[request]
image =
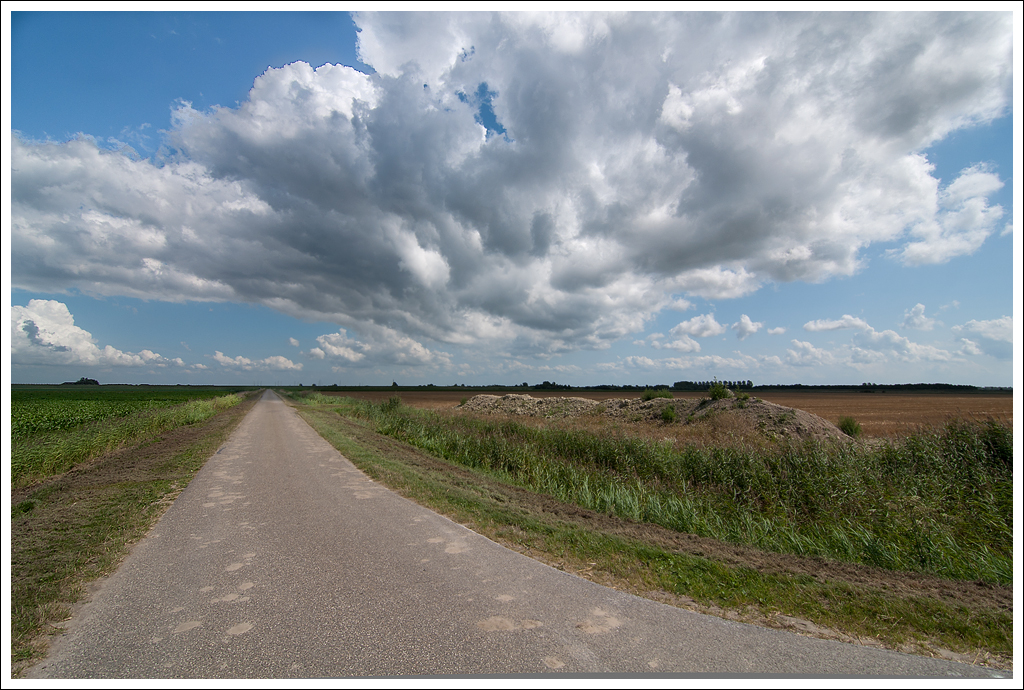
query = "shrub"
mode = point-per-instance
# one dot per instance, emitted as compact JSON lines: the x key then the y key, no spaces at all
{"x":718,"y":391}
{"x":849,"y":426}
{"x":668,"y":414}
{"x":652,"y":393}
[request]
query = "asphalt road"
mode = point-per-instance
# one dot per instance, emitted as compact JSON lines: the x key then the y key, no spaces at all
{"x":281,"y":559}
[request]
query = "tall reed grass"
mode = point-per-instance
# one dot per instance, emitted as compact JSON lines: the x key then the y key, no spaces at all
{"x":939,"y":501}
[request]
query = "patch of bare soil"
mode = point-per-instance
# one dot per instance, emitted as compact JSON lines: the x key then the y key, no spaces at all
{"x":890,"y":414}
{"x":771,"y":421}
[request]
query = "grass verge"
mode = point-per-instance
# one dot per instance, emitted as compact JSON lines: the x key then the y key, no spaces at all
{"x":72,"y":529}
{"x":862,"y":604}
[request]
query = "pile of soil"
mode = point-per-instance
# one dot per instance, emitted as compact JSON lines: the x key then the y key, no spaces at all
{"x":774,"y":421}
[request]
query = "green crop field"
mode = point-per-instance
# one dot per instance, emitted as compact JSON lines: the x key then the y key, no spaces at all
{"x":54,"y":428}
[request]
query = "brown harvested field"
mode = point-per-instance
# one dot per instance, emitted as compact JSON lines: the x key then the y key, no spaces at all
{"x":895,"y":414}
{"x":879,"y":414}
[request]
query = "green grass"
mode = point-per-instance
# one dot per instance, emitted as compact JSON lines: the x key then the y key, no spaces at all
{"x":641,"y":567}
{"x":938,"y":502}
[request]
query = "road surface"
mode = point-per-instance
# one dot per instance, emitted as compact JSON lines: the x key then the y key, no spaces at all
{"x":281,"y":559}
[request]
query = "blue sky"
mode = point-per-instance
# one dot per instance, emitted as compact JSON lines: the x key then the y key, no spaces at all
{"x":283,"y":198}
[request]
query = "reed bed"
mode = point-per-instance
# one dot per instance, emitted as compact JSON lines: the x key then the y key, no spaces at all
{"x":937,"y":501}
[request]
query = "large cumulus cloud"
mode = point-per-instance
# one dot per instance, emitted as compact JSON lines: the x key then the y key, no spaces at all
{"x":44,"y":332}
{"x":549,"y":182}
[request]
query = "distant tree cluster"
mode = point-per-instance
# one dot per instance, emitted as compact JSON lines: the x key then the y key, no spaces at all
{"x":551,"y":386}
{"x":873,"y":387}
{"x":82,"y":382}
{"x":917,"y":387}
{"x":705,"y":385}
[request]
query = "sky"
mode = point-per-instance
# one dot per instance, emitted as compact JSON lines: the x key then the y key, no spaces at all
{"x":476,"y":198}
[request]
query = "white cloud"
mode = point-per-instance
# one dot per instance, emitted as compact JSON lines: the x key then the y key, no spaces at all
{"x":702,"y":326}
{"x":719,"y":283}
{"x":804,"y":354}
{"x":835,"y":324}
{"x":899,"y":347}
{"x":702,"y":363}
{"x":868,"y":346}
{"x":272,"y":363}
{"x":993,"y":337}
{"x":280,"y":363}
{"x":381,"y":346}
{"x":779,"y":330}
{"x":44,"y":332}
{"x":293,"y":342}
{"x":734,"y":151}
{"x":964,"y":220}
{"x":970,"y":347}
{"x":339,"y":345}
{"x":239,"y":361}
{"x":915,"y":318}
{"x":745,"y":327}
{"x":1000,"y":329}
{"x":866,"y":357}
{"x":684,"y":343}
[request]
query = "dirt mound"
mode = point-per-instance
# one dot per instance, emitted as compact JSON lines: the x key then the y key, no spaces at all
{"x":775,"y":422}
{"x":515,"y":403}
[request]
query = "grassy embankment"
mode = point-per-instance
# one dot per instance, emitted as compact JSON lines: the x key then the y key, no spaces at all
{"x":937,"y":503}
{"x":91,"y":476}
